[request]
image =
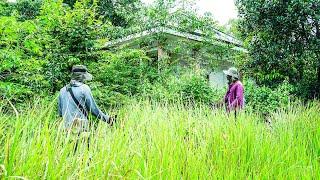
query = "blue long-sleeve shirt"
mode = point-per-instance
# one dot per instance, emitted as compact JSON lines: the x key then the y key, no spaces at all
{"x":68,"y":109}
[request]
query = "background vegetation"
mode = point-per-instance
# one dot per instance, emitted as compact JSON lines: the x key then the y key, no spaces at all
{"x":283,"y":39}
{"x":168,"y":125}
{"x":41,"y":40}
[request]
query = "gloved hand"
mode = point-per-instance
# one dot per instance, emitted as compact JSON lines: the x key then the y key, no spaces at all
{"x":112,"y":120}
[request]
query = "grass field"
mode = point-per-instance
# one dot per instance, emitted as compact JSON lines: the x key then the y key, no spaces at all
{"x":161,"y":141}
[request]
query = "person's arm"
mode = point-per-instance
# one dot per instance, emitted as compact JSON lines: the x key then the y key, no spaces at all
{"x":225,"y":99}
{"x":238,"y":101}
{"x":59,"y":106}
{"x":92,"y":107}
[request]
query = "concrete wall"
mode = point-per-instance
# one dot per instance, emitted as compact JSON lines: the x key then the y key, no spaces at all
{"x":217,"y":79}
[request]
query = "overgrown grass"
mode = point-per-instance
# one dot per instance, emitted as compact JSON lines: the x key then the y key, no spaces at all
{"x":161,"y":141}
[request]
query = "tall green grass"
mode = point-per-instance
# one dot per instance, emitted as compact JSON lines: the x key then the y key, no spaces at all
{"x":162,"y":141}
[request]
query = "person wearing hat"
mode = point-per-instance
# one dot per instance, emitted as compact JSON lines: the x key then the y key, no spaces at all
{"x":234,"y":98}
{"x":76,"y":102}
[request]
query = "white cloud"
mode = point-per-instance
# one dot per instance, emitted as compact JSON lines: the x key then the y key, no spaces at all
{"x":222,"y":10}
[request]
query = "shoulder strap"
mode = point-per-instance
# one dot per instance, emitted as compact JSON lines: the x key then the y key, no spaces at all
{"x":82,"y":109}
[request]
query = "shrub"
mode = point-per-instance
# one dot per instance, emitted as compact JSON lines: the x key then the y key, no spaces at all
{"x":189,"y":88}
{"x":195,"y":88}
{"x":119,"y":76}
{"x":21,"y":65}
{"x":265,"y":99}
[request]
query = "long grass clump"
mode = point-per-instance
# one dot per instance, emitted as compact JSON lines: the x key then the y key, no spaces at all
{"x":164,"y":141}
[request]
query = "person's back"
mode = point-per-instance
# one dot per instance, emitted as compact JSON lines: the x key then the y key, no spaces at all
{"x":76,"y":101}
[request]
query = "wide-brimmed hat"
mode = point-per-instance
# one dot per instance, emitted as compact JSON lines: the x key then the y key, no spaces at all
{"x":83,"y":71}
{"x":233,"y":72}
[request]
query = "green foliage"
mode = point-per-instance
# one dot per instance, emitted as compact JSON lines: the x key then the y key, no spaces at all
{"x":22,"y":9}
{"x":122,"y":75}
{"x":196,"y":56}
{"x":189,"y":88}
{"x":21,"y":60}
{"x":283,"y":39}
{"x":118,"y":12}
{"x":40,"y":45}
{"x":232,"y":28}
{"x":119,"y":77}
{"x":70,"y":36}
{"x":28,"y":9}
{"x":196,"y":89}
{"x":6,"y":8}
{"x":266,"y":100}
{"x":37,"y":54}
{"x":14,"y":91}
{"x":180,"y":15}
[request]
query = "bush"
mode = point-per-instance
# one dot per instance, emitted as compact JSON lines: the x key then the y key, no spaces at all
{"x":195,"y":88}
{"x":119,"y":76}
{"x":265,"y":99}
{"x":189,"y":88}
{"x":21,"y":65}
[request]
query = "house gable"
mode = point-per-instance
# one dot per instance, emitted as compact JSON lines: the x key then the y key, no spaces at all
{"x":196,"y":36}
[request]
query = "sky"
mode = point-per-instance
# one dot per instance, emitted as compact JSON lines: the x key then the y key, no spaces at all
{"x":222,"y":10}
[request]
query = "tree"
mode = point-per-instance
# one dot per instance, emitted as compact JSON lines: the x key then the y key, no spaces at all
{"x":36,"y":55}
{"x":283,"y":38}
{"x":232,"y":28}
{"x":5,"y":8}
{"x":70,"y":37}
{"x":21,"y":59}
{"x":28,"y":9}
{"x":23,"y":9}
{"x":118,"y":12}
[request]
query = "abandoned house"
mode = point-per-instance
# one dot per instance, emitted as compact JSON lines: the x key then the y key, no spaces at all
{"x":194,"y":49}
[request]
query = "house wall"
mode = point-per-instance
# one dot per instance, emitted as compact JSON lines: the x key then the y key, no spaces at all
{"x":217,"y":79}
